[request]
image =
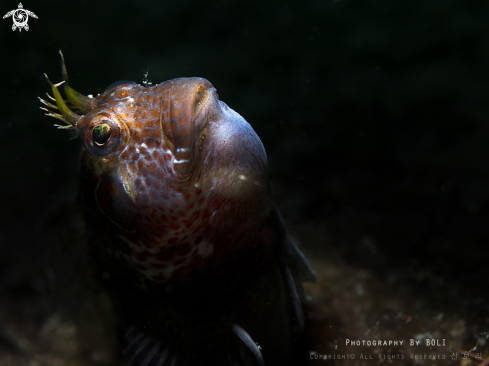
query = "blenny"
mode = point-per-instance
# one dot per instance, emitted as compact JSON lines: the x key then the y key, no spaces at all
{"x":178,"y":230}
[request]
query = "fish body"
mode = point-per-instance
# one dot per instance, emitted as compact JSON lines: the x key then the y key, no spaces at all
{"x":176,"y":200}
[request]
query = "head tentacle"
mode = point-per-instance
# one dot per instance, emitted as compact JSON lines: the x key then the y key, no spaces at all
{"x":66,"y":115}
{"x":83,"y":103}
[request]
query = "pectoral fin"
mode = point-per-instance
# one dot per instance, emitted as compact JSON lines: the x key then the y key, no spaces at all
{"x":298,"y":263}
{"x":249,"y":351}
{"x":180,"y":342}
{"x":294,"y":269}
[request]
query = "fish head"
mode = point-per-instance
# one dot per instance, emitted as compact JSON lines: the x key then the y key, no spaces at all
{"x":172,"y":180}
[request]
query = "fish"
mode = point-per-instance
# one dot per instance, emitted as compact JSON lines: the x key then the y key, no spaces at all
{"x":182,"y":246}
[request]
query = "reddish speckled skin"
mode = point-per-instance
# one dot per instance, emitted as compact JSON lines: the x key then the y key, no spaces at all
{"x":181,"y":183}
{"x":183,"y":250}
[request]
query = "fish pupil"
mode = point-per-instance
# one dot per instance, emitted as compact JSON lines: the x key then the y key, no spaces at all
{"x":101,"y":134}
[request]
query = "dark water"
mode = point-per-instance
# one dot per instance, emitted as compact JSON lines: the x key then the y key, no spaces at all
{"x":375,"y":119}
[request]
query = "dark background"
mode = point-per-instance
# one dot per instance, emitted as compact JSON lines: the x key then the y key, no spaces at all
{"x":374,"y":115}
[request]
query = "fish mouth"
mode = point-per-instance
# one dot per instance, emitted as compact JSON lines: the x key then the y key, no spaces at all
{"x":187,"y":97}
{"x":100,"y":203}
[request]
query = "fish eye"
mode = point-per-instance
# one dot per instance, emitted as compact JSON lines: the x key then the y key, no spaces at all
{"x":104,"y":134}
{"x":101,"y":134}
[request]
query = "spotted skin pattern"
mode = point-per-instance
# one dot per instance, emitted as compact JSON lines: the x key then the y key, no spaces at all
{"x":181,"y":182}
{"x":179,"y":231}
